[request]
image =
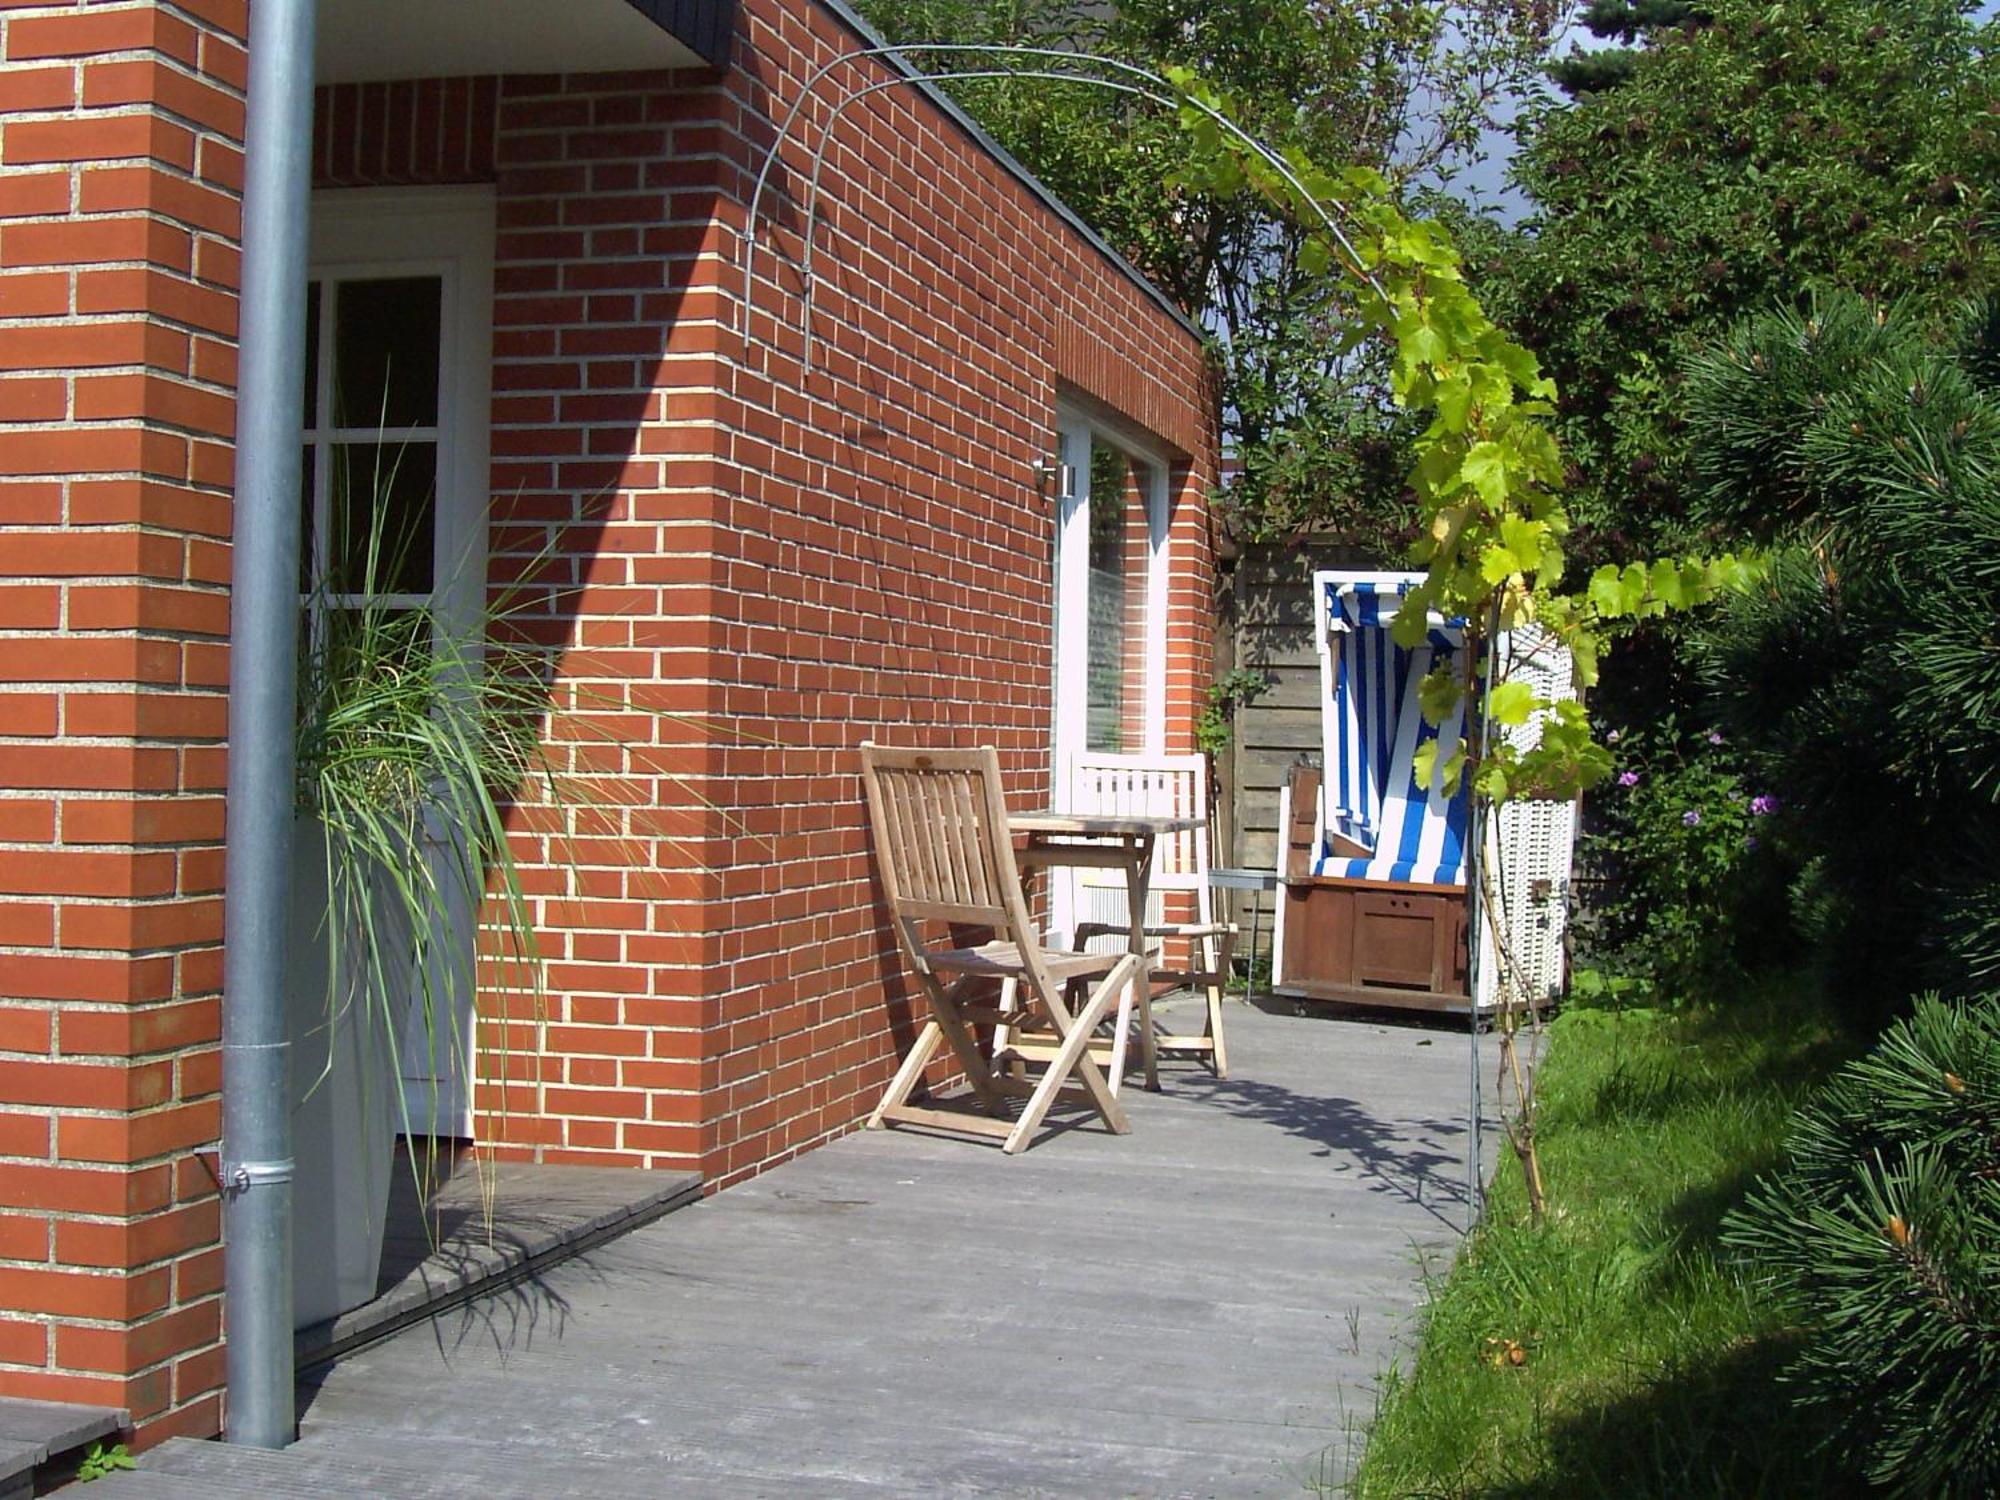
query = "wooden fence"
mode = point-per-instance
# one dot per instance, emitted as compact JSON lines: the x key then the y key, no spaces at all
{"x":1265,"y":624}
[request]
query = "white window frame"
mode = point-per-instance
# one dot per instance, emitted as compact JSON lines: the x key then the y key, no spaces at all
{"x":443,"y":232}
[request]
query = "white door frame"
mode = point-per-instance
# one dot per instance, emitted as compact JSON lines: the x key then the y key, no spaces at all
{"x":1069,"y":731}
{"x":447,"y":232}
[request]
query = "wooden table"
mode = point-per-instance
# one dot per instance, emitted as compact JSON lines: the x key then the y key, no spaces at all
{"x":1107,"y":841}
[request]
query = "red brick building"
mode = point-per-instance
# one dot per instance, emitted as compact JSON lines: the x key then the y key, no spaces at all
{"x":760,"y":564}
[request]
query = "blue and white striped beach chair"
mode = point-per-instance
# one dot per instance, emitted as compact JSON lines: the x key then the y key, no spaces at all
{"x":1383,"y":882}
{"x":1413,"y":831}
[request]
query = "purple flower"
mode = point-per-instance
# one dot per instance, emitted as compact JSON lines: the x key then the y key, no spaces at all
{"x":1691,"y":817}
{"x":1613,"y":737}
{"x":1628,"y":778}
{"x":1715,"y":736}
{"x":1749,"y":841}
{"x":1763,"y":806}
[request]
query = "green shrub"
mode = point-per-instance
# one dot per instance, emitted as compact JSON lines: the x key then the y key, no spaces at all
{"x":1882,"y":1233}
{"x":1688,"y":882}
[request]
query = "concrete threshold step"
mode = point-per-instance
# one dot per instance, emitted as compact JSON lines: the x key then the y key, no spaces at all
{"x":36,"y":1435}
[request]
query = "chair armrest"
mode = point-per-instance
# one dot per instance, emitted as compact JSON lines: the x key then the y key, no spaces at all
{"x":1085,"y":931}
{"x":1192,"y":929}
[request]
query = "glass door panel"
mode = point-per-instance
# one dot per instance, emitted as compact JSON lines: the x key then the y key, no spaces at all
{"x":386,"y":342}
{"x":1120,"y":599}
{"x":399,"y":352}
{"x":383,"y":510}
{"x":372,"y":435}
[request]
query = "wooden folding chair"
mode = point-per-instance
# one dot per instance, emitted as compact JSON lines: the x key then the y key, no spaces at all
{"x":1161,"y":786}
{"x":947,"y":860}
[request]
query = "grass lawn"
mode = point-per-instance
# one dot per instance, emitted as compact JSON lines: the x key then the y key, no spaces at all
{"x":1645,"y":1368}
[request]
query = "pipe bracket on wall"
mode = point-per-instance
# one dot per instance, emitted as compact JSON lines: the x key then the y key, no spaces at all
{"x":245,"y":1175}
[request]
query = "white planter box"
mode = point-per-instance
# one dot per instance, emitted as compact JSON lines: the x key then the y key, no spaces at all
{"x":346,"y":1103}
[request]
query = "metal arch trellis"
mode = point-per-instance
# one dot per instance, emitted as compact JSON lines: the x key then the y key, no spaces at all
{"x":855,"y":96}
{"x":1150,"y":86}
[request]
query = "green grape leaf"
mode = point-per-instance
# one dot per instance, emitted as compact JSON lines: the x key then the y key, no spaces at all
{"x":1511,"y":703}
{"x":1438,"y":694}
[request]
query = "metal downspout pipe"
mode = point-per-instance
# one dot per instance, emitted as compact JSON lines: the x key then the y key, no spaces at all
{"x":263,"y":669}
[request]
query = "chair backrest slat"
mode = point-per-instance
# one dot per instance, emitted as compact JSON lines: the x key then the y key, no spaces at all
{"x":966,"y":870}
{"x":941,"y":838}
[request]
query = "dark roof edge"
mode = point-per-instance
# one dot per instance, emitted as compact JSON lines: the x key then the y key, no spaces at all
{"x":706,"y":27}
{"x":852,"y":20}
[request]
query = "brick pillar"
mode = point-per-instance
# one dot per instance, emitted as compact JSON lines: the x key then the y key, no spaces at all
{"x":120,"y":172}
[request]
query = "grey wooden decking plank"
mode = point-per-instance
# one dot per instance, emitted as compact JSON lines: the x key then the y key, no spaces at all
{"x":803,"y":1468}
{"x":486,"y":1467}
{"x":904,"y":1456}
{"x":1173,"y":1318}
{"x":1210,"y":1329}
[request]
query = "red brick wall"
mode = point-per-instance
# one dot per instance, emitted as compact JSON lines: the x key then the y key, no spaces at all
{"x":890,"y":554}
{"x":601,"y":351}
{"x":748,"y":569}
{"x":120,"y":168}
{"x":604,"y":392}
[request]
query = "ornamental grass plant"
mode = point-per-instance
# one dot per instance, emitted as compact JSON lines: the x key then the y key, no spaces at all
{"x":416,"y":732}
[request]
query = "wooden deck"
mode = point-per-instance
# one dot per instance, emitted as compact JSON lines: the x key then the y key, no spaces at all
{"x":1198,"y":1309}
{"x":449,"y":1250}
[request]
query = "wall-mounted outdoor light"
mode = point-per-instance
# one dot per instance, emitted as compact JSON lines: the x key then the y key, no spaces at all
{"x":1054,"y":478}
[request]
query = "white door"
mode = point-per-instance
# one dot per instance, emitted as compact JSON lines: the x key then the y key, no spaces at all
{"x":1110,"y":618}
{"x":399,"y":350}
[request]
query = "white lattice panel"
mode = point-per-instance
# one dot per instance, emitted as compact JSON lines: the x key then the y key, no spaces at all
{"x":1534,"y":840}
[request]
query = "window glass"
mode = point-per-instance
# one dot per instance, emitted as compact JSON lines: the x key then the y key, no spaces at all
{"x":312,"y":355}
{"x":309,"y":528}
{"x":370,"y":522}
{"x":1120,"y":563}
{"x":382,"y":518}
{"x":386,"y":352}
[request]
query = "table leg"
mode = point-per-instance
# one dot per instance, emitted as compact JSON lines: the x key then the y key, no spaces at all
{"x":1138,"y":880}
{"x":1121,"y":1036}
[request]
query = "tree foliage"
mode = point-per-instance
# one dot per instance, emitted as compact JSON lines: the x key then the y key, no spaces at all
{"x":1400,"y":86}
{"x":1864,"y":676}
{"x":1624,"y":22}
{"x":1744,"y":163}
{"x":1882,"y":1231}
